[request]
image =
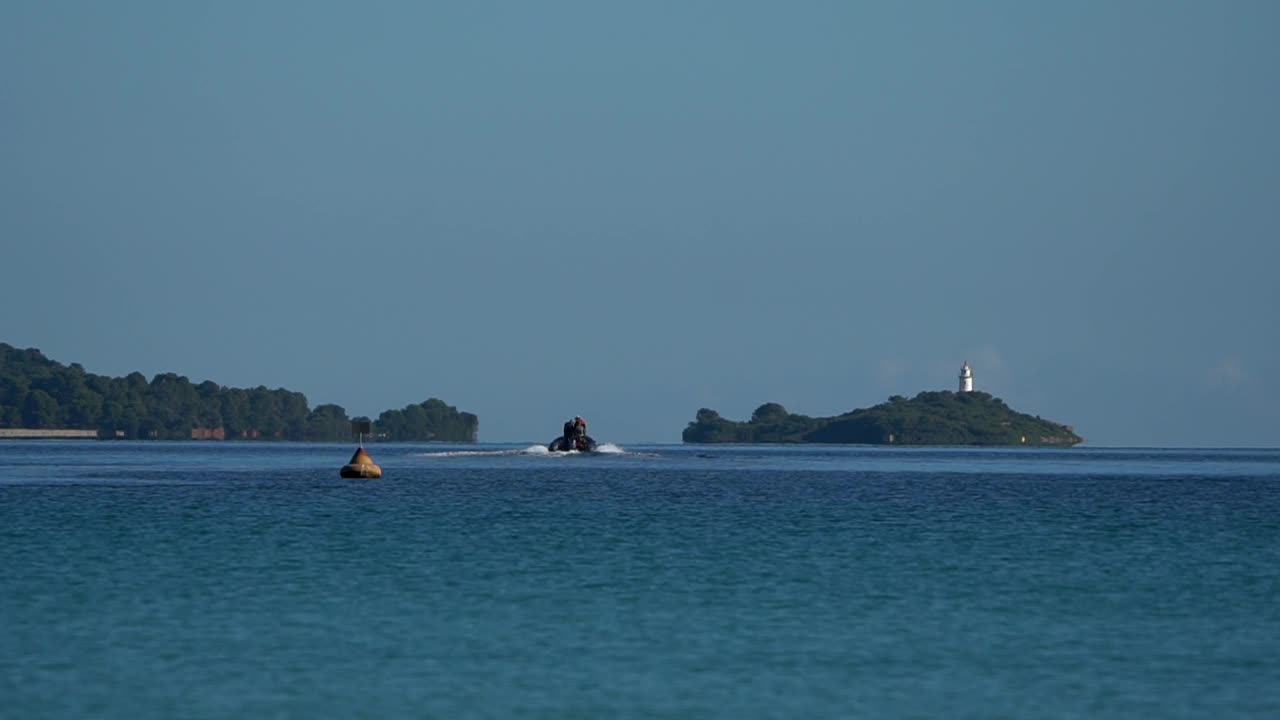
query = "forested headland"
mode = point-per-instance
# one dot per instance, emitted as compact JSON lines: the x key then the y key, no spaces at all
{"x":39,"y":393}
{"x":930,"y":418}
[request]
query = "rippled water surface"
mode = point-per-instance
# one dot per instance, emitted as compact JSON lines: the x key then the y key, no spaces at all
{"x":247,"y":580}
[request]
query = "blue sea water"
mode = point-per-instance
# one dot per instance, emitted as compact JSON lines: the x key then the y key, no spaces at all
{"x":230,"y":580}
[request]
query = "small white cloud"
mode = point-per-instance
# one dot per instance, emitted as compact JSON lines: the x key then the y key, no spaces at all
{"x":988,"y":358}
{"x":891,"y":371}
{"x":1227,"y":373}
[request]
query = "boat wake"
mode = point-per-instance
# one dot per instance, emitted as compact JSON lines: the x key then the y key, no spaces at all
{"x":471,"y":453}
{"x":601,"y":449}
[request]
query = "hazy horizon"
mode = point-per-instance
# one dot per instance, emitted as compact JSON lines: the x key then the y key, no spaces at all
{"x":629,"y":213}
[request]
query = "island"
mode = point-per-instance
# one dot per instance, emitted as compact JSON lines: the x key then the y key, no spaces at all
{"x":42,"y":398}
{"x":930,"y":418}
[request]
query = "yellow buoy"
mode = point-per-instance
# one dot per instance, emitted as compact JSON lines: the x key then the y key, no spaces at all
{"x":361,"y":467}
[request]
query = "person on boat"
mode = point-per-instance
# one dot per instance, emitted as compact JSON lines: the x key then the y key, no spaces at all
{"x":579,"y":427}
{"x":570,"y":433}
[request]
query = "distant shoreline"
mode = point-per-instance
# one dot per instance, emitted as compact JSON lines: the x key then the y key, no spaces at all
{"x":72,"y":434}
{"x":42,"y":399}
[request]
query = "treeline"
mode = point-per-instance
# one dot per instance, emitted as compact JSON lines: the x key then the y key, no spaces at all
{"x":770,"y":423}
{"x":39,"y":393}
{"x":429,"y":420}
{"x":930,"y":418}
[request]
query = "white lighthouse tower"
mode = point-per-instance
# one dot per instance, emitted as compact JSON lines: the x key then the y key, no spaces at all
{"x":966,"y":377}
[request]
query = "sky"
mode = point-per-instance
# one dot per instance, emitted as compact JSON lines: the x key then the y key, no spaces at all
{"x":631,"y":211}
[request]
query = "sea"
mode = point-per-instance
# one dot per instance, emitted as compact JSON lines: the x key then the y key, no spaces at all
{"x":247,"y":580}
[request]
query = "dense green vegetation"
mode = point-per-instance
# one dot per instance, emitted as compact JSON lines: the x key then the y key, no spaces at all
{"x":430,"y":420}
{"x":930,"y":418}
{"x":38,"y":393}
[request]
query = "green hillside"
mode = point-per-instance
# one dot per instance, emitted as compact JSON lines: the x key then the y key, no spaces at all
{"x":930,"y":418}
{"x":39,"y":393}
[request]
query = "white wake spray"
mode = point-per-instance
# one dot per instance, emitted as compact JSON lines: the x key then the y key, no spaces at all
{"x":601,"y":449}
{"x":471,"y":453}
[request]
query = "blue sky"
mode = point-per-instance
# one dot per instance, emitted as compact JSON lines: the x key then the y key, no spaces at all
{"x":630,"y":211}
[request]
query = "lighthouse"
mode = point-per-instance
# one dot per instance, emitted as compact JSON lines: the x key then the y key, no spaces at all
{"x":966,"y":377}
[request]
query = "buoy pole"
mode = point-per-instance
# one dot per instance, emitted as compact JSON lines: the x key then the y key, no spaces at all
{"x":361,"y":465}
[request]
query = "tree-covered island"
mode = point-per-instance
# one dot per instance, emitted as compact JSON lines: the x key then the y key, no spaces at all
{"x":930,"y":418}
{"x":38,"y":393}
